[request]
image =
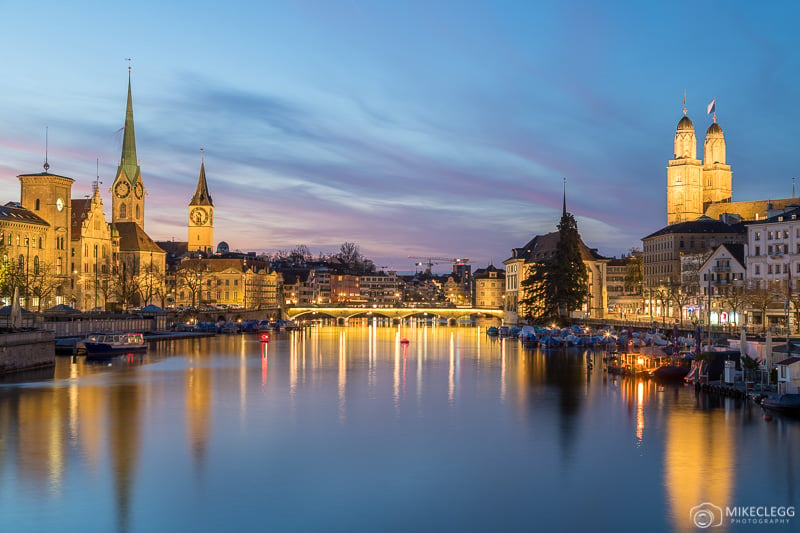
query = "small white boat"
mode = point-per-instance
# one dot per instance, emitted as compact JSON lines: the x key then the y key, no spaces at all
{"x":108,"y":344}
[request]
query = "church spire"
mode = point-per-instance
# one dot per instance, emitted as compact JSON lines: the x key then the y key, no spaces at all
{"x":201,"y":196}
{"x":129,"y":162}
{"x":564,"y":210}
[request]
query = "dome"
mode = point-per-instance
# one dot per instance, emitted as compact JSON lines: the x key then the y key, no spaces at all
{"x":685,"y":124}
{"x":222,"y":248}
{"x":714,"y":129}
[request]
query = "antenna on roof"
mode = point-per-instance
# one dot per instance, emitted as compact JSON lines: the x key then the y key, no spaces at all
{"x":97,"y":182}
{"x":46,"y":164}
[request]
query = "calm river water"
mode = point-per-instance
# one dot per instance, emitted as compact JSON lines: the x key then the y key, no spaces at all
{"x":345,"y":429}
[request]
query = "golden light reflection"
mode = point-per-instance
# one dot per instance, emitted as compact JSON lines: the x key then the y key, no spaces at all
{"x":342,"y":382}
{"x":699,"y":463}
{"x":451,"y":389}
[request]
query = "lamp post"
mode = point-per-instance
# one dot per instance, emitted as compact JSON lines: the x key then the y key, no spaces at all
{"x":27,"y":269}
{"x":95,"y":277}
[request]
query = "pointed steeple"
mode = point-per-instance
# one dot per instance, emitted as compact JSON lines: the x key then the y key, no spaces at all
{"x":201,"y":196}
{"x":564,"y":210}
{"x":129,"y":162}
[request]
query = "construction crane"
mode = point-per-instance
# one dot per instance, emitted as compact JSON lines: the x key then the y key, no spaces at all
{"x":430,"y":261}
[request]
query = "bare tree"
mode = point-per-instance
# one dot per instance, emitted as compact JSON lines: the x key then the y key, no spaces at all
{"x":191,"y":275}
{"x":761,"y":296}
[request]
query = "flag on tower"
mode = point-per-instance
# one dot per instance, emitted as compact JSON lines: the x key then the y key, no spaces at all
{"x":712,"y":107}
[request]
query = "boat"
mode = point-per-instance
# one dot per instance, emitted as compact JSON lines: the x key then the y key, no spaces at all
{"x":493,"y":331}
{"x":404,"y":341}
{"x":674,"y":371}
{"x":109,"y":344}
{"x":787,"y":404}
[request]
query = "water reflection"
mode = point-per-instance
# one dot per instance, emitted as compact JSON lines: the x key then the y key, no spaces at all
{"x":453,"y":416}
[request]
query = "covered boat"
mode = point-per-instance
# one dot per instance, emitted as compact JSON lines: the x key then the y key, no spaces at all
{"x":108,"y":344}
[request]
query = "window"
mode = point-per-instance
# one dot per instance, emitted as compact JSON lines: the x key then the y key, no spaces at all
{"x":758,"y":250}
{"x":758,"y":236}
{"x":137,"y":211}
{"x":123,"y":211}
{"x":769,"y":269}
{"x":786,"y":234}
{"x":36,"y":265}
{"x":37,"y":204}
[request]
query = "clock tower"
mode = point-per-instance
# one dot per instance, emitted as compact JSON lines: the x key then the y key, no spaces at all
{"x":201,"y":216}
{"x":127,"y":192}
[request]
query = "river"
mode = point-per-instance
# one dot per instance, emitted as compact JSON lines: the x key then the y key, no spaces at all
{"x":346,"y":429}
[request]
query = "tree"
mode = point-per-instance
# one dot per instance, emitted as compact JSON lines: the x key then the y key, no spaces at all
{"x":350,"y":255}
{"x":556,"y":286}
{"x":761,"y":297}
{"x":190,"y":276}
{"x":43,"y":283}
{"x":634,"y":276}
{"x":125,"y":287}
{"x":735,"y":296}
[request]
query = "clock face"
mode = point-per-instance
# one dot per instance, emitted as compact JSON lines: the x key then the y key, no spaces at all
{"x":59,"y":204}
{"x":199,"y":216}
{"x":138,"y":190}
{"x":122,"y":189}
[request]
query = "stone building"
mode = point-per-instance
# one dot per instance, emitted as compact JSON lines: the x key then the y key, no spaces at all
{"x":489,"y":287}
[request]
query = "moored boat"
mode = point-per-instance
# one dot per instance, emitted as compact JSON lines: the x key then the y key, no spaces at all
{"x":787,"y":404}
{"x":109,"y":344}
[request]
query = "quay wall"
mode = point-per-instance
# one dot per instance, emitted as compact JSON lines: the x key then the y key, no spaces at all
{"x":26,"y":350}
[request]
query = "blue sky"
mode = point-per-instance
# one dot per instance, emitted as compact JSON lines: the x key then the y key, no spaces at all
{"x":410,"y":128}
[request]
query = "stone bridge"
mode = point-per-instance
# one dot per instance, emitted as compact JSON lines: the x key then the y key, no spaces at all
{"x":394,"y":313}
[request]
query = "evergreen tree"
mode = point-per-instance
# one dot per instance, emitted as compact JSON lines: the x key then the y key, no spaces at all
{"x":556,"y":286}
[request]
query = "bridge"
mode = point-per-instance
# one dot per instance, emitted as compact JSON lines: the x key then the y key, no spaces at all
{"x":393,"y":313}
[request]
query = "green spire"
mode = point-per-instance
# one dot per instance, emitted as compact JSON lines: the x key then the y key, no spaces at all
{"x":129,"y":163}
{"x":201,"y":196}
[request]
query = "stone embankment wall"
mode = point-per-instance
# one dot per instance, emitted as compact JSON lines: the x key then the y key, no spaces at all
{"x":26,"y":349}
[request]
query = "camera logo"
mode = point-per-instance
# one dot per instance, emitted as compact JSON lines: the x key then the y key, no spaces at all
{"x":706,"y":515}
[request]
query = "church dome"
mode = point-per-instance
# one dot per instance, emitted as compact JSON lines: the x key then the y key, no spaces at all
{"x":714,"y":130}
{"x":685,"y":124}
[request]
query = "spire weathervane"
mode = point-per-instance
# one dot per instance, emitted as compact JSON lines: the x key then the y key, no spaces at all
{"x":684,"y":102}
{"x":46,"y":164}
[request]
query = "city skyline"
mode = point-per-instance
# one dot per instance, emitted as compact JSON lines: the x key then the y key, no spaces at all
{"x":409,"y":129}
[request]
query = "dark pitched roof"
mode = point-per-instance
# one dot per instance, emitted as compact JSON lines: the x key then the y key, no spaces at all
{"x":174,"y":248}
{"x":780,"y":217}
{"x":132,"y":238}
{"x":13,"y":212}
{"x":201,"y":196}
{"x":703,"y":225}
{"x":736,"y":250}
{"x":543,"y":247}
{"x":484,"y":272}
{"x":80,"y":208}
{"x":789,"y":361}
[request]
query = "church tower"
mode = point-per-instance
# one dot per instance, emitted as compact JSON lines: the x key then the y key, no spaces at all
{"x":717,"y":180}
{"x":201,"y":216}
{"x":127,"y":192}
{"x":684,"y":176}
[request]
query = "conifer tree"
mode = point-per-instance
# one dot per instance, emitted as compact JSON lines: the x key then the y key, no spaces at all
{"x":556,"y":286}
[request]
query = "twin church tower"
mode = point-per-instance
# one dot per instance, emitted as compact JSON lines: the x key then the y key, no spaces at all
{"x":128,"y":192}
{"x":694,"y":185}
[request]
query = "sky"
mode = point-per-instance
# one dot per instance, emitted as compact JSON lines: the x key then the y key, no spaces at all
{"x":411,"y":128}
